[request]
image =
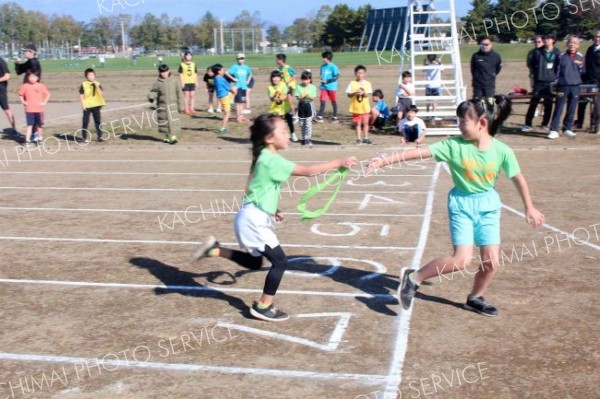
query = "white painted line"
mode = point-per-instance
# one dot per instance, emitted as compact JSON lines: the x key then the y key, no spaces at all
{"x":403,"y":319}
{"x":335,"y":262}
{"x":199,"y":288}
{"x":129,"y":161}
{"x":162,"y":242}
{"x":193,"y":190}
{"x":367,"y":379}
{"x":342,"y":325}
{"x":554,"y":229}
{"x":103,"y":111}
{"x":117,"y":173}
{"x":331,"y":345}
{"x":183,"y":211}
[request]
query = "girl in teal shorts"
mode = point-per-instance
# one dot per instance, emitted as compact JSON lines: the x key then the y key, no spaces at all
{"x":475,"y":159}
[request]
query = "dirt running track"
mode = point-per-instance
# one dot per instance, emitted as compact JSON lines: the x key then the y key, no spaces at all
{"x":96,"y":243}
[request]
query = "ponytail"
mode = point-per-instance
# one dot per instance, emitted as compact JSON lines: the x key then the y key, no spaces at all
{"x":503,"y":111}
{"x":479,"y":108}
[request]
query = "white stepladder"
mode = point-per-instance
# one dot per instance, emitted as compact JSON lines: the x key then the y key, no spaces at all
{"x":432,"y":30}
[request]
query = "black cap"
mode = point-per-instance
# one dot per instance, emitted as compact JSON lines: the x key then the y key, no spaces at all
{"x":30,"y":46}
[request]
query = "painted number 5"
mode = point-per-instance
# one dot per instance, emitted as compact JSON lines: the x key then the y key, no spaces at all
{"x":353,"y":229}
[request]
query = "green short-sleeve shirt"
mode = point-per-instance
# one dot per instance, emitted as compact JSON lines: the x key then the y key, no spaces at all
{"x":474,"y":170}
{"x":302,"y":90}
{"x":270,"y":171}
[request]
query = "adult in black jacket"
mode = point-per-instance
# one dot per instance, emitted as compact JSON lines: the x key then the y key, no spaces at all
{"x":485,"y":66}
{"x":592,"y":76}
{"x":544,"y":64}
{"x":31,"y":62}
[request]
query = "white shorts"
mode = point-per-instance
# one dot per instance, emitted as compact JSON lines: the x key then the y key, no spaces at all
{"x":254,"y":229}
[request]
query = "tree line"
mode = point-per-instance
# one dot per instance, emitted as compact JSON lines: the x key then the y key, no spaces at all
{"x":518,"y":20}
{"x":336,"y":27}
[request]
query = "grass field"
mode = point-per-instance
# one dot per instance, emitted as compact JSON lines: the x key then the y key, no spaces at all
{"x":509,"y":53}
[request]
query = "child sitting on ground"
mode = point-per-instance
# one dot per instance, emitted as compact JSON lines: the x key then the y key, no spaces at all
{"x":412,"y":127}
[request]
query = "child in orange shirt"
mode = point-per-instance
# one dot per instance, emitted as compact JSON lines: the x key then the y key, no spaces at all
{"x":34,"y":96}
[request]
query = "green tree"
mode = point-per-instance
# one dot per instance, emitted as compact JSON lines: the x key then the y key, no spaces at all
{"x":318,"y":24}
{"x":102,"y":31}
{"x":205,"y":30}
{"x":512,"y":20}
{"x":247,"y":20}
{"x":555,"y":19}
{"x":339,"y":26}
{"x":188,"y":34}
{"x":147,"y":33}
{"x":274,"y":35}
{"x":12,"y":20}
{"x":174,"y":33}
{"x":36,"y":27}
{"x":64,"y":28}
{"x":582,"y":18}
{"x":474,"y":21}
{"x":246,"y":23}
{"x":300,"y":32}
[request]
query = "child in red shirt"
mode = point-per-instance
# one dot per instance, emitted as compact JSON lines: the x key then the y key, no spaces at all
{"x":34,"y":96}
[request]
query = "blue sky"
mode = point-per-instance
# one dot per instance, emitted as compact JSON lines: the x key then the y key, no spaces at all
{"x":276,"y":12}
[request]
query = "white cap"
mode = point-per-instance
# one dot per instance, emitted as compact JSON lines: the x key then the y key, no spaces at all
{"x":241,"y":55}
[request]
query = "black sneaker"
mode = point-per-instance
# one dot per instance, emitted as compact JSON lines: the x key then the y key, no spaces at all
{"x":367,"y":141}
{"x":269,"y":314}
{"x":408,"y":289}
{"x":479,"y":305}
{"x":208,"y":243}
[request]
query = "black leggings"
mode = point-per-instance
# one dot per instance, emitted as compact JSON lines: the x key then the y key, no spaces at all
{"x":95,"y":111}
{"x":276,"y":256}
{"x":289,"y":118}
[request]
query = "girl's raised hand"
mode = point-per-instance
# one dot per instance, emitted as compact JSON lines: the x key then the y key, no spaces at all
{"x":534,"y":217}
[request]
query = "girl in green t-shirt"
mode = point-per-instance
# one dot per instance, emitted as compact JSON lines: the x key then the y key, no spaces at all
{"x":475,"y":159}
{"x":306,"y":92}
{"x":253,"y":223}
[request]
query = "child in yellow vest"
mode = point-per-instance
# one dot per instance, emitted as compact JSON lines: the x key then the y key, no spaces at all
{"x":188,"y":74}
{"x":288,"y":74}
{"x":92,"y":101}
{"x":360,"y":106}
{"x":280,"y":104}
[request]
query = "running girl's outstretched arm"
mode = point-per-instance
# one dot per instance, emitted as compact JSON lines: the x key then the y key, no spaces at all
{"x":396,"y":157}
{"x":309,"y":170}
{"x":534,"y":217}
